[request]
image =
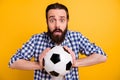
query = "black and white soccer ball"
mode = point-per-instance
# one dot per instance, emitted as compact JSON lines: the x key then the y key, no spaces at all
{"x":58,"y":61}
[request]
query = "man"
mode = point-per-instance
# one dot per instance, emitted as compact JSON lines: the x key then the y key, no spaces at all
{"x":57,"y":18}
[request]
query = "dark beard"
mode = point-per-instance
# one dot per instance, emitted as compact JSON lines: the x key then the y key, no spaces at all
{"x":56,"y":38}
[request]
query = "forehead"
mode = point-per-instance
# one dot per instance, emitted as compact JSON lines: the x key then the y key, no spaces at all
{"x":57,"y":13}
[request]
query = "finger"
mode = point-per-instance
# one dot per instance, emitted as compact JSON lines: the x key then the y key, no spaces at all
{"x":71,"y":52}
{"x":42,"y":55}
{"x":45,"y":51}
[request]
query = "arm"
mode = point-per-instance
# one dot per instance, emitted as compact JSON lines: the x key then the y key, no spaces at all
{"x":93,"y":59}
{"x":29,"y":65}
{"x":90,"y":60}
{"x":25,"y":65}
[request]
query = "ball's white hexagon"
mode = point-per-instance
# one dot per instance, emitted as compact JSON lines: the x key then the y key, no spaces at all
{"x":60,"y":66}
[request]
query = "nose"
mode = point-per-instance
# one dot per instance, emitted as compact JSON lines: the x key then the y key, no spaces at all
{"x":57,"y":24}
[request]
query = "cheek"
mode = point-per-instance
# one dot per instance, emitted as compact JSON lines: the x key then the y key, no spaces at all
{"x":63,"y":27}
{"x":51,"y":27}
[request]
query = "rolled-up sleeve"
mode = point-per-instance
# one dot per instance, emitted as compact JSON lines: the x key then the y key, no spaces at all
{"x":88,"y":48}
{"x":26,"y":52}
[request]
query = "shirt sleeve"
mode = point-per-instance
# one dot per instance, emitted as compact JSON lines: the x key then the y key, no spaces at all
{"x":26,"y":52}
{"x":87,"y":48}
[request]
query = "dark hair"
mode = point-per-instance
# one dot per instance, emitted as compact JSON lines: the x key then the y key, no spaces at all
{"x":57,"y":6}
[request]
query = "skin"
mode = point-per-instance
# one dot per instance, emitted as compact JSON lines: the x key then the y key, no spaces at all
{"x":57,"y":19}
{"x":57,"y":25}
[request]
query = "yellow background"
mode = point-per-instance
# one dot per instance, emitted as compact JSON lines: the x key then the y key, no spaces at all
{"x":99,"y":20}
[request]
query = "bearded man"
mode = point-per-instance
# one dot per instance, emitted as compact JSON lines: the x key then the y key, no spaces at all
{"x":57,"y":18}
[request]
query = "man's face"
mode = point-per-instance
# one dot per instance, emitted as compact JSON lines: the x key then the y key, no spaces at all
{"x":57,"y":24}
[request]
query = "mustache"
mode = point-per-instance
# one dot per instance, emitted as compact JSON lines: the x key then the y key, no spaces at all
{"x":57,"y":30}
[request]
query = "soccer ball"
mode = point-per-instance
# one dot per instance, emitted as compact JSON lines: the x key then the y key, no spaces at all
{"x":58,"y":61}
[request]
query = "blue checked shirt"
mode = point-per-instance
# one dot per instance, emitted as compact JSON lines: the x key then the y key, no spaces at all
{"x":38,"y":42}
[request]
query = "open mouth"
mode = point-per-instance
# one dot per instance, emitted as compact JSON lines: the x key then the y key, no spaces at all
{"x":57,"y":32}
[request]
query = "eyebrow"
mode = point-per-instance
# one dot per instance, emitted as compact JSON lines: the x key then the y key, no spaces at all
{"x":54,"y":16}
{"x":51,"y":16}
{"x":62,"y":16}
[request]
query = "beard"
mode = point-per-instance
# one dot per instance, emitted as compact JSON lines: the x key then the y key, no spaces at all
{"x":57,"y":38}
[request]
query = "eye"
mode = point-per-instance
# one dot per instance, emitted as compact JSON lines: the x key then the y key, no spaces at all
{"x":62,"y":20}
{"x":52,"y":20}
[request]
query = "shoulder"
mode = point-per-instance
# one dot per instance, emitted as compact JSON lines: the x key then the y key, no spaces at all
{"x":39,"y":36}
{"x":74,"y":33}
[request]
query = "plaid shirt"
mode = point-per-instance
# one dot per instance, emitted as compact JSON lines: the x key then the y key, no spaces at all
{"x":38,"y":42}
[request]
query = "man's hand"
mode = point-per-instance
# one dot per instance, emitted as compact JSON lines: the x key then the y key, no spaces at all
{"x":72,"y":54}
{"x":41,"y":56}
{"x":93,"y":59}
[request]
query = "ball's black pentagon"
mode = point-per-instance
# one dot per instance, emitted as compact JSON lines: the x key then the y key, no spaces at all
{"x":68,"y":65}
{"x":53,"y":73}
{"x":55,"y":58}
